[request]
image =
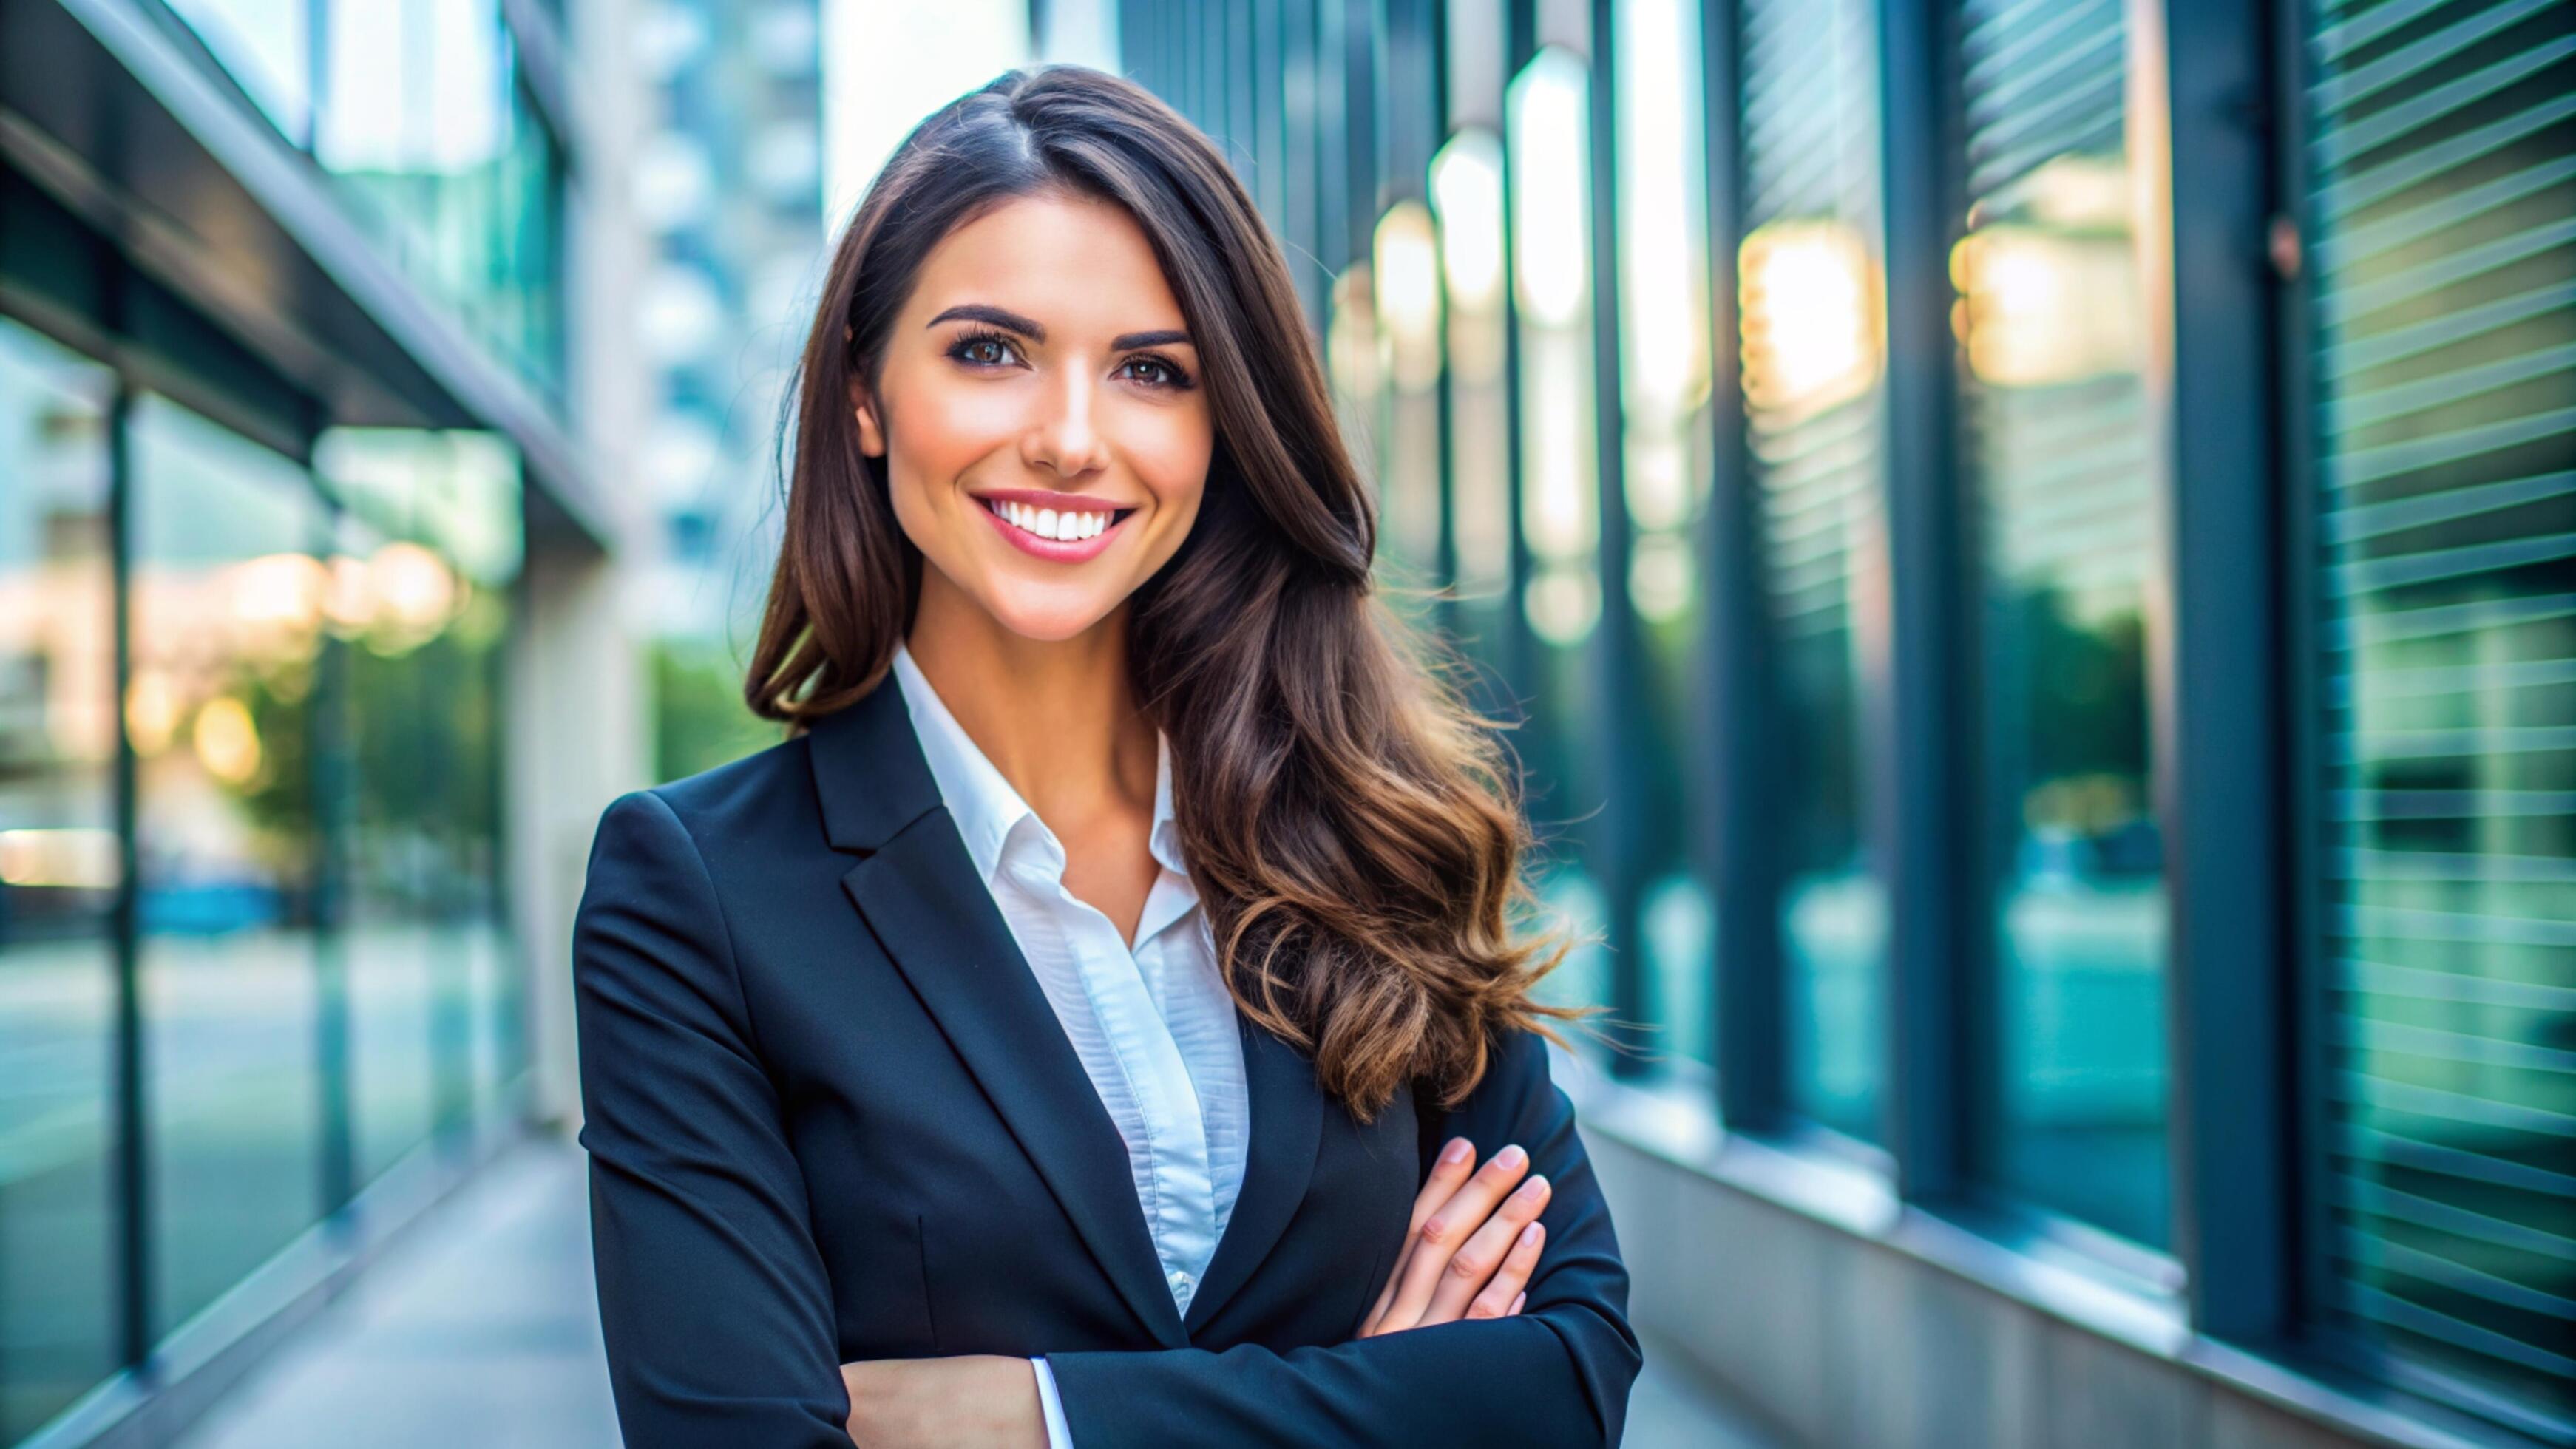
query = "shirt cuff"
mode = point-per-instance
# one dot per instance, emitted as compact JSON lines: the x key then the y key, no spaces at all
{"x":1058,"y":1435}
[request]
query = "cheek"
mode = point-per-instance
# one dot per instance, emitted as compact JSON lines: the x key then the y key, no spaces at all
{"x":943,"y":431}
{"x":1173,"y":463}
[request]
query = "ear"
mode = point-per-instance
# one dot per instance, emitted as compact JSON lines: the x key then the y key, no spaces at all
{"x":871,"y":431}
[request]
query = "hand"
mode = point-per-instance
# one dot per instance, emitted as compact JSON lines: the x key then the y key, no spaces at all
{"x":985,"y":1401}
{"x":1470,"y":1249}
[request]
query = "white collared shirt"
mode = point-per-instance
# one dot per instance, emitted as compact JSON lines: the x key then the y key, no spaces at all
{"x":1154,"y":1026}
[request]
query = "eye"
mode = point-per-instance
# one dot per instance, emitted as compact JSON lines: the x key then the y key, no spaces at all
{"x":1164,"y":373}
{"x":984,"y":349}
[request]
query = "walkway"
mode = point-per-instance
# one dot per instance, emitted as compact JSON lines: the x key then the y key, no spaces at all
{"x":479,"y":1327}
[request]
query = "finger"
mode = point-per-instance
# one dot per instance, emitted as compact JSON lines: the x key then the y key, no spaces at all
{"x":1448,"y":1173}
{"x":1503,"y":1296}
{"x":1442,"y":1233}
{"x":1455,"y":1161}
{"x":1477,"y":1260}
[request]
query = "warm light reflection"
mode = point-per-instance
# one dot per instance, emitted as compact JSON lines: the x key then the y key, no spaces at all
{"x":151,"y":711}
{"x":348,"y":603}
{"x":1657,"y":477}
{"x":1663,"y":279}
{"x":67,"y":856}
{"x":2078,"y":192}
{"x":1350,"y":336}
{"x":1551,"y":196}
{"x":1467,"y":195}
{"x":226,"y":741}
{"x":1563,"y":602}
{"x":2039,"y":306}
{"x":1812,"y":323}
{"x":454,"y":490}
{"x":1560,"y":509}
{"x":1659,"y":577}
{"x":1407,"y":271}
{"x":414,"y":592}
{"x":277,"y":595}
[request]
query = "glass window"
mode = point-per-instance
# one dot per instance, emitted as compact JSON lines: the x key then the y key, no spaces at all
{"x":425,"y":121}
{"x":2443,"y":310}
{"x":228,"y":603}
{"x":266,"y":47}
{"x":395,"y":594}
{"x":1467,"y":200}
{"x":59,"y":871}
{"x":2059,"y":473}
{"x":1548,"y":133}
{"x":1405,"y":273}
{"x":1808,"y":274}
{"x":1664,"y":382}
{"x":418,"y":605}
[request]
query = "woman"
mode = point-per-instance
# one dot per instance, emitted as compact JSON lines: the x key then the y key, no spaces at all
{"x":1100,"y":1021}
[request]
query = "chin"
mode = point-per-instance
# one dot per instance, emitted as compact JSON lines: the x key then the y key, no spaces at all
{"x":1049,"y":615}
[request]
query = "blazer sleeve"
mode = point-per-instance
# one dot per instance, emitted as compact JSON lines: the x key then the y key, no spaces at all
{"x":713,"y":1299}
{"x":1556,"y":1373}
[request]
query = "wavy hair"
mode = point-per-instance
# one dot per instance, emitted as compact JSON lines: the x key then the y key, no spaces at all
{"x":1355,"y":832}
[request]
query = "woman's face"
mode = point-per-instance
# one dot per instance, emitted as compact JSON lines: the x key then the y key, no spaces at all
{"x":1046,"y":438}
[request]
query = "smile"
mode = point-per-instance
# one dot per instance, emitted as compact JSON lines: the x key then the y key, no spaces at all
{"x":1058,"y":527}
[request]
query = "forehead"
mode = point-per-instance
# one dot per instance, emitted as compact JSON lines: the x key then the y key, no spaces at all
{"x":1064,"y":261}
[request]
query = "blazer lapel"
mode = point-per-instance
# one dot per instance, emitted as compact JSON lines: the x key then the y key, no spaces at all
{"x":1287,"y":1121}
{"x":918,"y":890}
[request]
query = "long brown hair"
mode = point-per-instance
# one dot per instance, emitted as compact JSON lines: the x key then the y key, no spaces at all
{"x":1354,"y":831}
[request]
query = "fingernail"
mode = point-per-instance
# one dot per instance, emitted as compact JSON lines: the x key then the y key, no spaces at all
{"x":1531,"y":1190}
{"x":1529,"y":1235}
{"x":1457,"y":1150}
{"x":1510,"y":1157}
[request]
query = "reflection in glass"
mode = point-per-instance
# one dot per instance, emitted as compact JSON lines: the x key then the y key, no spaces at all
{"x":58,"y":878}
{"x":427,"y":124}
{"x":1664,"y":386}
{"x":266,"y":46}
{"x":229,"y":603}
{"x":2058,"y":463}
{"x":1405,"y":270}
{"x":1809,"y":309}
{"x":1467,"y":200}
{"x":1546,"y":130}
{"x":2444,"y":308}
{"x":420,"y":617}
{"x":1552,"y":283}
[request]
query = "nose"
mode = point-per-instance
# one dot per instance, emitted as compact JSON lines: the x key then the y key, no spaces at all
{"x":1064,"y":437}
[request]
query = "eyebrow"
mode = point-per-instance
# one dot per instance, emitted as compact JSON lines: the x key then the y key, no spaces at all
{"x":1012,"y":321}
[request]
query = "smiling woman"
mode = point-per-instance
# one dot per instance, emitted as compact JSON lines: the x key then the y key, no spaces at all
{"x":1040,"y":343}
{"x":1179,"y":1058}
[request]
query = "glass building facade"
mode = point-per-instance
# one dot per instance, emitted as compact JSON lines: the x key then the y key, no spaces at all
{"x":258,"y":986}
{"x":2036,"y":588}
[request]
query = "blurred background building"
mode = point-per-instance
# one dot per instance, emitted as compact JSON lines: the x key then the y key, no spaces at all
{"x":2032,"y":544}
{"x":728,"y":182}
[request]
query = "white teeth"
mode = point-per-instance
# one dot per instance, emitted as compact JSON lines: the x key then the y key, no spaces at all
{"x":1070,"y":525}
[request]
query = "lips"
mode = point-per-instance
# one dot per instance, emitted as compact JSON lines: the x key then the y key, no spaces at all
{"x":1058,"y":527}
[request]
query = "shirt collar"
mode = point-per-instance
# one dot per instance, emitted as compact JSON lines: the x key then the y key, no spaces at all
{"x":980,"y":799}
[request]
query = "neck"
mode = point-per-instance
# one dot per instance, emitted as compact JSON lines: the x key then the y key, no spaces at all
{"x":1058,"y":718}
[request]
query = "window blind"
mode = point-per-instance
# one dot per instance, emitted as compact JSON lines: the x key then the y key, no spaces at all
{"x":2441,"y":169}
{"x":1809,"y":273}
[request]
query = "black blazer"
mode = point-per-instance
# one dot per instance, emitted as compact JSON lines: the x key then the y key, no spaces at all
{"x":831,"y":1117}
